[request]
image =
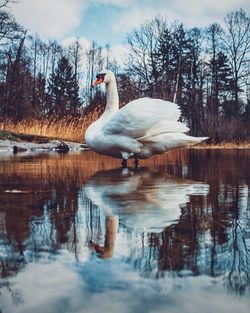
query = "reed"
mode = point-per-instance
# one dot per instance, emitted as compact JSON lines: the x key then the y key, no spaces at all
{"x":72,"y":128}
{"x":243,"y":144}
{"x":68,"y":128}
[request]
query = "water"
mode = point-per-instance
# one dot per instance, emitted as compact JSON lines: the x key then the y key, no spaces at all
{"x":78,"y":234}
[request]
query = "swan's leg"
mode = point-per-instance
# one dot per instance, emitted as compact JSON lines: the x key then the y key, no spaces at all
{"x":137,"y":163}
{"x":124,"y":163}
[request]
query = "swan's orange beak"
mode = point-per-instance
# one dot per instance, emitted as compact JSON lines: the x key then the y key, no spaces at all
{"x":98,"y":81}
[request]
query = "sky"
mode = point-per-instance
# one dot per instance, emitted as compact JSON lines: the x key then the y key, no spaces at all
{"x":109,"y":21}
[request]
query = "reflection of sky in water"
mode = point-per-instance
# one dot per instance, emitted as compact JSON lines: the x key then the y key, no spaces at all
{"x":105,"y":286}
{"x":175,"y":243}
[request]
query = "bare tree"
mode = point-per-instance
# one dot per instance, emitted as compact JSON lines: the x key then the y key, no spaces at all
{"x":213,"y":33}
{"x":4,"y":3}
{"x":142,"y":60}
{"x":237,"y":46}
{"x":9,"y":29}
{"x":18,"y":82}
{"x":108,"y":50}
{"x":75,"y":51}
{"x":95,"y":63}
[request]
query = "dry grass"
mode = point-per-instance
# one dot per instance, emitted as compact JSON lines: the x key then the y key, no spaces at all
{"x":73,"y":129}
{"x":68,"y":128}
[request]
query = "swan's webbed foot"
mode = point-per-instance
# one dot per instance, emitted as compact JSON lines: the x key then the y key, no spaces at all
{"x":137,"y":163}
{"x":124,"y":163}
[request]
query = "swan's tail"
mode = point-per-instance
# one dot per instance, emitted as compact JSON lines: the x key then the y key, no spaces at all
{"x":168,"y":141}
{"x":191,"y":141}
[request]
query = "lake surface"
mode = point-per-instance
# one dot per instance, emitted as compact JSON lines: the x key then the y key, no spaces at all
{"x":79,"y":234}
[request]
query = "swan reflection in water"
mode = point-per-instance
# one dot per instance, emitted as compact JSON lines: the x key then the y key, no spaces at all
{"x":142,"y":200}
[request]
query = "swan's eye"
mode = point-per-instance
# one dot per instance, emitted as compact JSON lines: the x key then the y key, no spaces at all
{"x":100,"y":76}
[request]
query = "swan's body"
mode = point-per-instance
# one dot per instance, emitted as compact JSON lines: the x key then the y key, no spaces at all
{"x":141,"y":129}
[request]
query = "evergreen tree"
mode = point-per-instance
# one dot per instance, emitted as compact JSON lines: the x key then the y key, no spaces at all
{"x":39,"y":95}
{"x":193,"y":87}
{"x":63,"y":89}
{"x":165,"y":63}
{"x":16,"y":90}
{"x":224,"y":82}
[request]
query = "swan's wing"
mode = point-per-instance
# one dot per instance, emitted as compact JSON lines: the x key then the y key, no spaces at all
{"x":143,"y":116}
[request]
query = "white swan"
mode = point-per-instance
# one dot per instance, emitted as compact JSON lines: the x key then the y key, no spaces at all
{"x":140,"y":129}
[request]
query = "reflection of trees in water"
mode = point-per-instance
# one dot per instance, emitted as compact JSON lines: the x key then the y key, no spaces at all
{"x":212,"y":233}
{"x":197,"y":244}
{"x":41,"y":219}
{"x":237,"y":277}
{"x":228,"y":175}
{"x":209,"y":237}
{"x":37,"y":222}
{"x":228,"y":206}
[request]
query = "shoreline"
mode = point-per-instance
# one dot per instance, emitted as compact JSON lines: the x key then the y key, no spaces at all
{"x":11,"y":142}
{"x":13,"y":147}
{"x":8,"y":146}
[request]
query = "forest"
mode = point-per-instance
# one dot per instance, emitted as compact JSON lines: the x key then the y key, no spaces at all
{"x":205,"y":70}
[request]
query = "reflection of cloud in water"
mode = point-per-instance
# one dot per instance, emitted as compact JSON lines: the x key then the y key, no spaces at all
{"x":142,"y":199}
{"x":43,"y":288}
{"x":57,"y":287}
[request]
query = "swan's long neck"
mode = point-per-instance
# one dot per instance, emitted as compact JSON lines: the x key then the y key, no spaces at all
{"x":112,"y":99}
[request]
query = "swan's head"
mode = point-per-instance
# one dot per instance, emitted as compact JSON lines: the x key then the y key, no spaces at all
{"x":104,"y":76}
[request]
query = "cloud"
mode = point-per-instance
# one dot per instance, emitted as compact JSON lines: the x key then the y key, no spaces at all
{"x":191,"y":13}
{"x":49,"y":18}
{"x":118,"y":3}
{"x":84,"y":42}
{"x":59,"y":19}
{"x":133,"y":18}
{"x":119,"y":53}
{"x":202,"y":13}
